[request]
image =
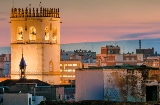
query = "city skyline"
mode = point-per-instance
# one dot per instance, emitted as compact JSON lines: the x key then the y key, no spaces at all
{"x":93,"y":20}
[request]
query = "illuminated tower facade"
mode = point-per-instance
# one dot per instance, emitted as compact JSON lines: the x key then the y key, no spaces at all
{"x":37,"y":31}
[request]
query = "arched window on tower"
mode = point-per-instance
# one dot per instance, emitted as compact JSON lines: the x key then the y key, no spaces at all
{"x":32,"y":33}
{"x":54,"y":30}
{"x":19,"y":33}
{"x":46,"y":33}
{"x":51,"y":66}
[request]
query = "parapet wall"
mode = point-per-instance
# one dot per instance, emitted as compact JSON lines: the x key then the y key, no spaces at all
{"x":31,"y":12}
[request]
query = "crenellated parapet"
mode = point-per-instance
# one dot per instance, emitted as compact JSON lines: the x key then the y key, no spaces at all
{"x":28,"y":12}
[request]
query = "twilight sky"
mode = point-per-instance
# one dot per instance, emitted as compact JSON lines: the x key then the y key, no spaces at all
{"x":94,"y":20}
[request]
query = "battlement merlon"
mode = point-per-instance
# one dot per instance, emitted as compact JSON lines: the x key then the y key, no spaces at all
{"x":31,"y":12}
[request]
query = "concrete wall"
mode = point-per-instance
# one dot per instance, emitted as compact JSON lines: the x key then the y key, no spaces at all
{"x":89,"y":85}
{"x":17,"y":99}
{"x":123,"y":85}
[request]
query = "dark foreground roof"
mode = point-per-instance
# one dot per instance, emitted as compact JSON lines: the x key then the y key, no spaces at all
{"x":11,"y":82}
{"x":95,"y":102}
{"x":128,"y":67}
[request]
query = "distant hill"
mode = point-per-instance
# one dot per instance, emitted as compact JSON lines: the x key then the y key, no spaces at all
{"x":125,"y":45}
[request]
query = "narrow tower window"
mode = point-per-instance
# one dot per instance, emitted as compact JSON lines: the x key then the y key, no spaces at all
{"x":50,"y":66}
{"x":32,"y":33}
{"x":19,"y":33}
{"x":54,"y":34}
{"x":46,"y":33}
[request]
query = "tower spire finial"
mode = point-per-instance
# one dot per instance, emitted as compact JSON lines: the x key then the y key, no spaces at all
{"x":22,"y":52}
{"x":39,"y":4}
{"x":13,"y":3}
{"x":22,"y":66}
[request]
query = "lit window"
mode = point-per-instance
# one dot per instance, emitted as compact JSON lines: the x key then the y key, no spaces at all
{"x":50,"y":66}
{"x":19,"y":33}
{"x":73,"y":70}
{"x":73,"y":75}
{"x":74,"y":64}
{"x":46,"y":33}
{"x":60,"y":64}
{"x":54,"y":37}
{"x":60,"y":70}
{"x":65,"y":70}
{"x":69,"y":64}
{"x":64,"y":75}
{"x":32,"y":33}
{"x":69,"y":70}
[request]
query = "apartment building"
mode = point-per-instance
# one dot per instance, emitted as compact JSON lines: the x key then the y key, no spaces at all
{"x":5,"y":64}
{"x":146,"y":52}
{"x":153,"y":61}
{"x":71,"y":60}
{"x":110,"y":56}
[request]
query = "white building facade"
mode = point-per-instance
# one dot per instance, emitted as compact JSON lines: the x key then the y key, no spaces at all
{"x":117,"y":83}
{"x":5,"y":65}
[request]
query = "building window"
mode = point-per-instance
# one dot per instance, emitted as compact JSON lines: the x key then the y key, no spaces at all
{"x":69,"y":64}
{"x":29,"y":101}
{"x":74,"y":64}
{"x":54,"y":34}
{"x":50,"y":66}
{"x":70,"y":70}
{"x":65,"y":70}
{"x":139,"y":58}
{"x":46,"y":33}
{"x":32,"y":33}
{"x":19,"y":33}
{"x":127,"y":59}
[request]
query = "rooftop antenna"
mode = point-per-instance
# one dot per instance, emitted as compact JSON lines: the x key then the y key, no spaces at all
{"x":139,"y":44}
{"x":30,"y":5}
{"x":92,"y":47}
{"x":39,"y":4}
{"x":13,"y":3}
{"x":115,"y":42}
{"x":22,"y":51}
{"x":123,"y":49}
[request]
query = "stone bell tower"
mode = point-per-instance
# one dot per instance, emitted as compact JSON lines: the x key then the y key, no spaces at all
{"x":37,"y":31}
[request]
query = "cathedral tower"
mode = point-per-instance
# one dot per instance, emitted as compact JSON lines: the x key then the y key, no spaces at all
{"x":37,"y":31}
